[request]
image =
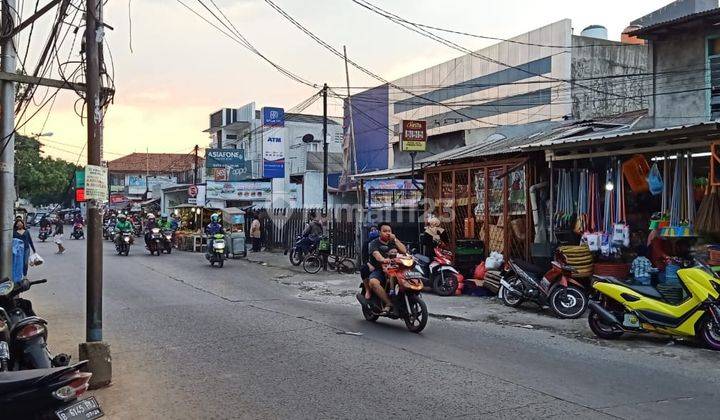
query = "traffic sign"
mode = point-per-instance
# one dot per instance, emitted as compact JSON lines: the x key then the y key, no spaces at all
{"x":193,"y":191}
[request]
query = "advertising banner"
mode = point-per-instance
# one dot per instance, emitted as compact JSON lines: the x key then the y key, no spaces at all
{"x":247,"y":191}
{"x":386,"y":193}
{"x":414,"y":136}
{"x":224,"y":158}
{"x":274,"y":157}
{"x":96,"y":183}
{"x":273,"y":117}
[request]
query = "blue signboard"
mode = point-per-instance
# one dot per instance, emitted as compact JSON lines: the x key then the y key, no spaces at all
{"x":273,"y":117}
{"x":274,"y":157}
{"x":224,"y":158}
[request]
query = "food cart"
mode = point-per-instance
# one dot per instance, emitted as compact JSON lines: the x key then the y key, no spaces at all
{"x":234,"y":222}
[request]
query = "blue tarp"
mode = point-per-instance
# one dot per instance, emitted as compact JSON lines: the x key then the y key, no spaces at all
{"x":18,"y":260}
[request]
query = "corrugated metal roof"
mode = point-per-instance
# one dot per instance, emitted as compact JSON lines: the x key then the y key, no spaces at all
{"x":649,"y":30}
{"x":383,"y":173}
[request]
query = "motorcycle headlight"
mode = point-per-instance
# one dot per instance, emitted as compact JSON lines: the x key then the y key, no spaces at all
{"x":219,"y":245}
{"x":127,"y":239}
{"x":168,"y":237}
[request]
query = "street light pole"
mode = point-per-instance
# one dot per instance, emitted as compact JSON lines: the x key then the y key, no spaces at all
{"x":7,"y":140}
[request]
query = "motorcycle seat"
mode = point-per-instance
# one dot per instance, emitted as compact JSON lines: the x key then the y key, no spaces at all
{"x":648,"y":291}
{"x":16,"y":381}
{"x":529,"y":268}
{"x":422,"y":259}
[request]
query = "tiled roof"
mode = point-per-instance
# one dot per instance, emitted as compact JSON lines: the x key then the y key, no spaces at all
{"x":154,"y":162}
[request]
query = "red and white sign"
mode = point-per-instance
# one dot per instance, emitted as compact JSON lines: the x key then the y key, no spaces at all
{"x":79,"y":195}
{"x":193,"y":191}
{"x":414,"y":136}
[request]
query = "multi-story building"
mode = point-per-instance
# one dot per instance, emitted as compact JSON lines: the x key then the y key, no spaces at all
{"x":297,"y":143}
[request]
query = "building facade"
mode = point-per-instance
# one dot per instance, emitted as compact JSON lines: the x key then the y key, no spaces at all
{"x":140,"y":176}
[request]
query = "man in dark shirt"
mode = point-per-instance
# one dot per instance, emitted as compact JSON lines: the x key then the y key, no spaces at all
{"x":379,"y":249}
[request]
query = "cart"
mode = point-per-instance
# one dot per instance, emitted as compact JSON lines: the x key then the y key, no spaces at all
{"x":234,"y":223}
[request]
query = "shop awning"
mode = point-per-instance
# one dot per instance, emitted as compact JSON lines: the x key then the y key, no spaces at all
{"x":384,"y":173}
{"x":626,"y":141}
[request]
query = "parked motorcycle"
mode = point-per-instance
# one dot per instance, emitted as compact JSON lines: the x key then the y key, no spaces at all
{"x":304,"y":246}
{"x":123,"y":242}
{"x":27,"y":338}
{"x":628,"y":308}
{"x":522,"y":281}
{"x":405,"y":295}
{"x":441,"y":276}
{"x":47,"y":393}
{"x":216,"y":255}
{"x":77,"y":232}
{"x":44,"y":233}
{"x":167,"y":236}
{"x":155,"y":244}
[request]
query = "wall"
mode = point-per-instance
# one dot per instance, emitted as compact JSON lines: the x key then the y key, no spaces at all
{"x":602,"y":96}
{"x":679,"y":63}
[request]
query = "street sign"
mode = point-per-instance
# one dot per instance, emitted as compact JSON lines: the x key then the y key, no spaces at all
{"x":96,"y":183}
{"x":192,"y":191}
{"x":192,"y":200}
{"x":414,"y":136}
{"x":80,"y":178}
{"x":79,"y":195}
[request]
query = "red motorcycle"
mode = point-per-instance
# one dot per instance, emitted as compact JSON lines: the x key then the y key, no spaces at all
{"x":439,"y":273}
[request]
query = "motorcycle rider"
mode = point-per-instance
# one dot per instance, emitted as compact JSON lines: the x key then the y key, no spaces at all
{"x":123,"y":226}
{"x":164,"y":223}
{"x":379,"y":250}
{"x":44,"y":223}
{"x":433,"y":236}
{"x":150,"y":224}
{"x":213,"y":228}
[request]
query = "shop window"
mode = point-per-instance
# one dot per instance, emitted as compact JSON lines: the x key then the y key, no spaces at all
{"x":714,"y":76}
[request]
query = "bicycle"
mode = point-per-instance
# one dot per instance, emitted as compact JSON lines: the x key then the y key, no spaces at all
{"x":313,"y":263}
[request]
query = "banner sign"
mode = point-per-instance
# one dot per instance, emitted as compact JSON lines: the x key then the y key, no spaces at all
{"x":240,"y":174}
{"x":220,"y":174}
{"x":79,"y":195}
{"x":80,"y":178}
{"x":224,"y":158}
{"x":96,"y":183}
{"x":414,"y":136}
{"x":274,"y":157}
{"x":273,"y":117}
{"x":246,"y":191}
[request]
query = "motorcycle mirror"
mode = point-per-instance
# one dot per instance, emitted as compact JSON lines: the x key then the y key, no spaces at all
{"x":6,"y":287}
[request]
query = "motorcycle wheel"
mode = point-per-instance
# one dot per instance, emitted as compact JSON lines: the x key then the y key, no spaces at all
{"x":346,"y":266}
{"x":445,"y":284}
{"x":127,"y":251}
{"x":416,"y":321}
{"x":710,"y":333}
{"x":600,"y":329}
{"x":568,"y":302}
{"x":368,"y":314}
{"x":312,"y":264}
{"x":221,"y":263}
{"x":509,"y":298}
{"x":296,"y":257}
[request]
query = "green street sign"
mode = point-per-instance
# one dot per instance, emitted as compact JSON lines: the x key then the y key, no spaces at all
{"x":80,"y":178}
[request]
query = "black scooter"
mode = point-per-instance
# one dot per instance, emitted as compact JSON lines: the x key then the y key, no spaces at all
{"x":26,"y":333}
{"x":47,"y":393}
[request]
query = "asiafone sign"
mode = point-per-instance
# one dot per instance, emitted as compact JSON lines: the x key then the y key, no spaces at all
{"x":414,"y":136}
{"x":224,"y":158}
{"x":273,"y":117}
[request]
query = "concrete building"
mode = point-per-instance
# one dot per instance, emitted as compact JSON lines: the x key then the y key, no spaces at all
{"x":131,"y":177}
{"x":546,"y":75}
{"x":299,"y":182}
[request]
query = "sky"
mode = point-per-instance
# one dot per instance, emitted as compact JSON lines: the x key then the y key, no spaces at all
{"x":171,"y":69}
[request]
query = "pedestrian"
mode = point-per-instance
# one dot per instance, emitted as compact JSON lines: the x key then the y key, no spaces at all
{"x":255,"y":234}
{"x":20,"y":232}
{"x":58,"y":235}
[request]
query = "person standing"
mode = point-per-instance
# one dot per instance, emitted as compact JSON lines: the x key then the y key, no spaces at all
{"x":255,"y":234}
{"x":58,"y":234}
{"x":20,"y":232}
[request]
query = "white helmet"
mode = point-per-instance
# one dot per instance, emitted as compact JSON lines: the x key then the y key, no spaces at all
{"x":150,"y":216}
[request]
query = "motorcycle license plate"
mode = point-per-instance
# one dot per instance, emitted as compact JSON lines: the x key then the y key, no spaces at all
{"x":87,"y":409}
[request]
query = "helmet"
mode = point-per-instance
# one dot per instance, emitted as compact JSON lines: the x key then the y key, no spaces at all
{"x":214,"y":217}
{"x":122,"y":216}
{"x":150,"y":216}
{"x":163,"y":216}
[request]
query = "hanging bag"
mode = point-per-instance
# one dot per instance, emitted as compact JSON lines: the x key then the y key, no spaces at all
{"x":654,"y":180}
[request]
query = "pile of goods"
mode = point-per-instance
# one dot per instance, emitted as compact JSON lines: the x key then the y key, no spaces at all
{"x":579,"y":257}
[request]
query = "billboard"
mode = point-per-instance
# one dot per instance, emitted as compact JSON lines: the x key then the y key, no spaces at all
{"x":246,"y":191}
{"x":414,"y":136}
{"x":96,"y":183}
{"x":274,"y":157}
{"x":224,"y":158}
{"x":273,"y":117}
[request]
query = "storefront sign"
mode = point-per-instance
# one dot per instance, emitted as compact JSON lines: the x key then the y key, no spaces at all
{"x":224,"y":158}
{"x":96,"y":183}
{"x":246,"y":191}
{"x":240,"y":174}
{"x":136,"y":184}
{"x":385,"y":193}
{"x":274,"y":157}
{"x":79,"y":195}
{"x":192,"y":200}
{"x":273,"y":117}
{"x":414,"y":136}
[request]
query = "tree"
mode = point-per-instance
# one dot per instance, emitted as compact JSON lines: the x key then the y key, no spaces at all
{"x":42,"y":180}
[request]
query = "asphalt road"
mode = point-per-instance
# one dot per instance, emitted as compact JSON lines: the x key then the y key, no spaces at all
{"x":190,"y":341}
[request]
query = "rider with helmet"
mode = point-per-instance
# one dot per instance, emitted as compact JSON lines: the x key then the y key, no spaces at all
{"x":150,"y":224}
{"x":123,"y":225}
{"x":213,"y":228}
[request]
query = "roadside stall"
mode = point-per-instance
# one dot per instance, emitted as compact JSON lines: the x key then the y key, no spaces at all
{"x":233,"y":220}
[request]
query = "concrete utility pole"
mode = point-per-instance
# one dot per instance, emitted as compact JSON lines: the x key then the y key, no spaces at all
{"x":325,"y":149}
{"x":195,"y":168}
{"x":7,"y":141}
{"x":94,"y":350}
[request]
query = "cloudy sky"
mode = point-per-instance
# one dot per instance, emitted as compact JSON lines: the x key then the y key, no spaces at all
{"x":178,"y":69}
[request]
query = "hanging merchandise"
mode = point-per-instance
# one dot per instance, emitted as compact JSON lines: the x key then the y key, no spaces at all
{"x":609,"y":211}
{"x":654,"y":180}
{"x":636,"y":170}
{"x":564,"y":202}
{"x":708,"y":216}
{"x":682,"y":207}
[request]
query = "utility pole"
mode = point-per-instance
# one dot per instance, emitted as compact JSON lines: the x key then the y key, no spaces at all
{"x":94,"y":350}
{"x":325,"y":149}
{"x":195,"y":167}
{"x":353,"y":150}
{"x":7,"y":141}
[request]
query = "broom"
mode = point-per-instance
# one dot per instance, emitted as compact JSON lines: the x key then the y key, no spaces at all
{"x":707,"y":220}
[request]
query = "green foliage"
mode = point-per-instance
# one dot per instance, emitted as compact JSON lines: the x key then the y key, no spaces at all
{"x":42,"y":180}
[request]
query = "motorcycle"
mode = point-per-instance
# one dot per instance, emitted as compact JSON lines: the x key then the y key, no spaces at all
{"x":556,"y":288}
{"x":109,"y":232}
{"x":167,"y":236}
{"x":405,"y":295}
{"x":137,"y":229}
{"x":44,"y":233}
{"x":625,"y":308}
{"x":441,"y":276}
{"x":123,"y":242}
{"x":216,"y":255}
{"x":48,"y":393}
{"x":304,"y":245}
{"x":27,"y":337}
{"x":155,"y":243}
{"x":77,"y":232}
